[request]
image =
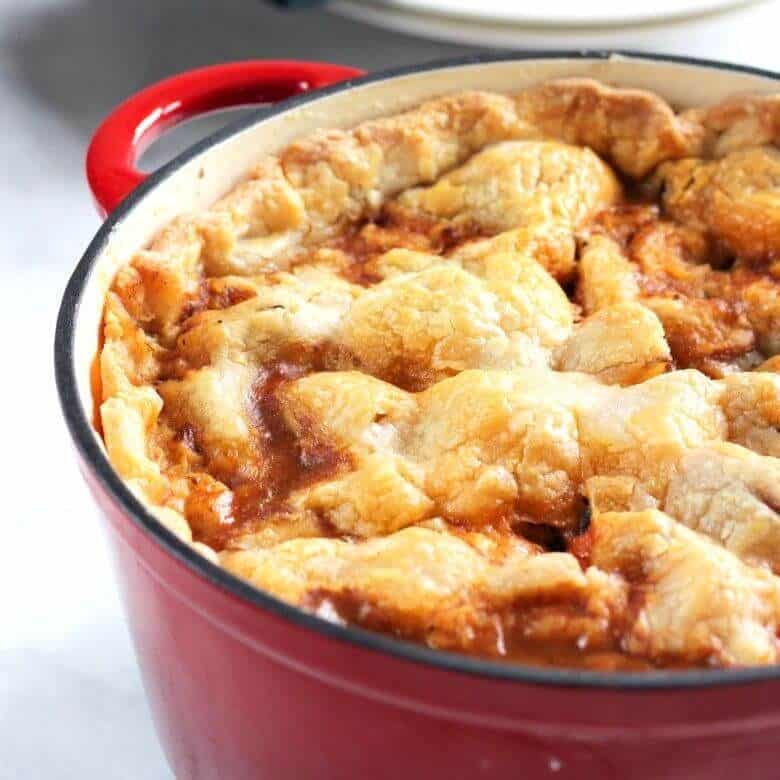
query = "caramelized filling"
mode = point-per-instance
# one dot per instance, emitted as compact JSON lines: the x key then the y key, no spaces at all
{"x":705,"y":317}
{"x":283,"y":464}
{"x":396,"y":228}
{"x":510,"y":635}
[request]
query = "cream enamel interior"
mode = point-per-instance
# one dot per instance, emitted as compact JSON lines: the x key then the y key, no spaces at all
{"x":211,"y":174}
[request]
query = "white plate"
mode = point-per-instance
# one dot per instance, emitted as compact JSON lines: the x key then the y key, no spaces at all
{"x":558,"y":13}
{"x":744,"y":33}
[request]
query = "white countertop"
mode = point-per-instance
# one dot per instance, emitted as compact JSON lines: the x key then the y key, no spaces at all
{"x":71,"y":704}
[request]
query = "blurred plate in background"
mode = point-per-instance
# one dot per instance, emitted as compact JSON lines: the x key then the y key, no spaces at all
{"x":741,"y":31}
{"x":565,"y":13}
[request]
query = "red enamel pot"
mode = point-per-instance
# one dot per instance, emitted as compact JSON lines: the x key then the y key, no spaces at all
{"x":244,"y":686}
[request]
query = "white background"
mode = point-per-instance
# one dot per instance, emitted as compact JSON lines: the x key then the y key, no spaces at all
{"x":71,"y":704}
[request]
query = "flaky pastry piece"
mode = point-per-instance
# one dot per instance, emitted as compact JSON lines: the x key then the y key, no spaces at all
{"x":735,"y":198}
{"x":737,"y":123}
{"x":436,"y":587}
{"x":733,"y":496}
{"x":496,"y":374}
{"x":697,"y":601}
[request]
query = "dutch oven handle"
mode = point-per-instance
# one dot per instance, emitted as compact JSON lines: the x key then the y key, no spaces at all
{"x":122,"y":137}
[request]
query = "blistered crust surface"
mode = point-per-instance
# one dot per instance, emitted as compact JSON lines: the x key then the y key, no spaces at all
{"x":499,"y":374}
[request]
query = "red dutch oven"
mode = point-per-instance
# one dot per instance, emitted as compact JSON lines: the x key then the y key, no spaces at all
{"x":242,"y":685}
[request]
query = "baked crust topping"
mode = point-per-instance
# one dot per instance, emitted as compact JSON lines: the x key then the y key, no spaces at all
{"x":498,"y":374}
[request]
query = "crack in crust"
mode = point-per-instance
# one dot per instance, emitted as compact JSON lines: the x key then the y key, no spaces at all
{"x":497,"y":374}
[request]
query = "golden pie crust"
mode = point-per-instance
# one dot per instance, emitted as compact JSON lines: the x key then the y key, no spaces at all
{"x":498,"y":374}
